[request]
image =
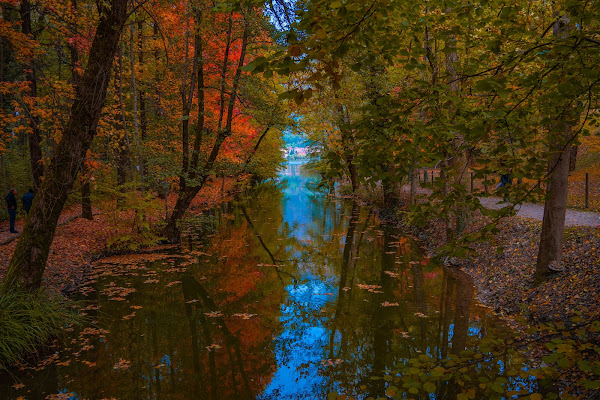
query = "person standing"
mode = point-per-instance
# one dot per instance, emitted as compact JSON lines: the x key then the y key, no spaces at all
{"x":27,"y":200}
{"x":11,"y":205}
{"x":505,"y":179}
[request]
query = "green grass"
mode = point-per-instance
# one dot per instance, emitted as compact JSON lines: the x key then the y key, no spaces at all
{"x":28,"y":322}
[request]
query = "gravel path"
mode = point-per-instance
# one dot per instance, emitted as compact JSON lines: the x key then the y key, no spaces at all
{"x":536,"y":211}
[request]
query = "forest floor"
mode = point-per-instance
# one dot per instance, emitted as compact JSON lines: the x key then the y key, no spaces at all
{"x":505,"y":279}
{"x":78,"y":241}
{"x":503,"y":271}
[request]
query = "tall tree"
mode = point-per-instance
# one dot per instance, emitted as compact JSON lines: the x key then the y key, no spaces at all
{"x":555,"y":206}
{"x":29,"y":259}
{"x":35,"y":137}
{"x":193,"y":176}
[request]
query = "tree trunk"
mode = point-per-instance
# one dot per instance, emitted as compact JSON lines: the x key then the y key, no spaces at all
{"x":573,"y":158}
{"x":136,"y":124}
{"x":457,"y":164}
{"x":390,"y":194}
{"x":124,"y":173}
{"x":86,"y":201}
{"x":555,"y":209}
{"x":348,"y":146}
{"x":555,"y":206}
{"x":414,"y":184}
{"x":250,"y":156}
{"x":35,"y":149}
{"x":4,"y":181}
{"x":352,"y":171}
{"x":143,"y":112}
{"x":29,"y":259}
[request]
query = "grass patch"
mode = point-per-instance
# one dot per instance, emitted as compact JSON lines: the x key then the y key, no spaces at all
{"x":28,"y":322}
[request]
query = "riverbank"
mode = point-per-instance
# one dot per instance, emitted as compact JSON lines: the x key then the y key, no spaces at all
{"x":505,"y":279}
{"x":78,"y":241}
{"x":564,"y":309}
{"x":504,"y":268}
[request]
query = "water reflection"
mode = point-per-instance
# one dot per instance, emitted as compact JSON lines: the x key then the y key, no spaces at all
{"x":284,"y":294}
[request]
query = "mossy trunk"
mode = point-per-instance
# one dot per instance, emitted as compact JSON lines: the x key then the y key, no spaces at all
{"x":29,"y":259}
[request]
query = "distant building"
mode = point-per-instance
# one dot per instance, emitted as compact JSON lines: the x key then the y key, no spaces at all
{"x":295,"y":152}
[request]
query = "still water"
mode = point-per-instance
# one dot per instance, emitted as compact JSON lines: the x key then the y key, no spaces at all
{"x":285,"y":294}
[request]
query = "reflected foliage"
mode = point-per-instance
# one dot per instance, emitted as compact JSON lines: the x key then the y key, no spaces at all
{"x":283,"y":293}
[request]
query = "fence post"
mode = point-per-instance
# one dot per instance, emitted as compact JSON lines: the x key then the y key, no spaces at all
{"x":425,"y":176}
{"x":431,"y":176}
{"x":587,"y":190}
{"x":471,"y":181}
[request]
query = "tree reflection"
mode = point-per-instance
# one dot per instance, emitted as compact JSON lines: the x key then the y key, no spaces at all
{"x":281,"y":294}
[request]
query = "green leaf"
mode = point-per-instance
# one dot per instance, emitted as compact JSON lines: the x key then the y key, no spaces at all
{"x":429,"y":387}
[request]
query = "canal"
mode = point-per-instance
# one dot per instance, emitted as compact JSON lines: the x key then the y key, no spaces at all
{"x":285,"y":293}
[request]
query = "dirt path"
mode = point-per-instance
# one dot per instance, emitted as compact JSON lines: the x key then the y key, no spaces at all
{"x":536,"y":211}
{"x":67,"y":216}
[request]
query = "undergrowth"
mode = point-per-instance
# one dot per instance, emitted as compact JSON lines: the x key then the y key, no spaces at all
{"x":28,"y":322}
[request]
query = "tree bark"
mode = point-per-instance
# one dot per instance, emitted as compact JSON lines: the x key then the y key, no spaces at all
{"x":31,"y":253}
{"x":573,"y":158}
{"x":555,"y":209}
{"x":4,"y":182}
{"x":35,"y":149}
{"x":348,"y":146}
{"x":143,"y":111}
{"x":86,"y":201}
{"x":124,"y":173}
{"x":414,"y":184}
{"x":457,"y":163}
{"x":555,"y":206}
{"x":390,"y":194}
{"x":136,"y":124}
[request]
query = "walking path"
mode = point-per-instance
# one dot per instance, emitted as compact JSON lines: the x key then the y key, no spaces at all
{"x":536,"y":211}
{"x":6,"y":236}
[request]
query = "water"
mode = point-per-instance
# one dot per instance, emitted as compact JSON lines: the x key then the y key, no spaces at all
{"x":287,"y":294}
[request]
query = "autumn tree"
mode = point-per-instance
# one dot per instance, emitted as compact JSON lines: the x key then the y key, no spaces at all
{"x":217,"y":94}
{"x":29,"y":259}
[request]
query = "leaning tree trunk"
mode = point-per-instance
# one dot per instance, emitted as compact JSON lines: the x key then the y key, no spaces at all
{"x":29,"y":259}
